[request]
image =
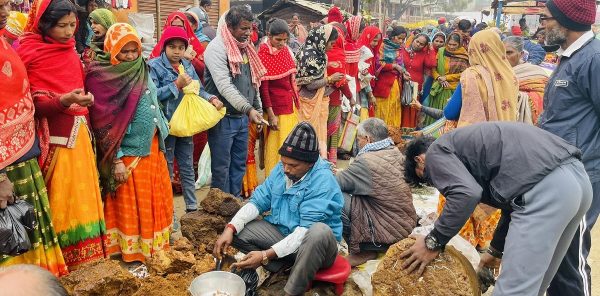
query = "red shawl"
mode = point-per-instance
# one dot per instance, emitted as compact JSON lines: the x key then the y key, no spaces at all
{"x":352,"y":46}
{"x":54,"y":69}
{"x":336,"y":57}
{"x":367,"y":36}
{"x":279,"y":63}
{"x":16,"y":107}
{"x":192,"y":39}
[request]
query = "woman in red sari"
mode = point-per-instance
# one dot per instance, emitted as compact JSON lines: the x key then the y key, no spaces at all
{"x":418,"y":57}
{"x":195,"y":52}
{"x":352,"y":47}
{"x":67,"y":156}
{"x":371,"y":40}
{"x":336,"y":63}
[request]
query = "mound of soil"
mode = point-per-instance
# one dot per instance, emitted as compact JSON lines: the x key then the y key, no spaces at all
{"x":202,"y":228}
{"x":160,"y":286}
{"x":205,"y":264}
{"x":183,"y":245}
{"x":167,"y":262}
{"x":449,"y":274}
{"x":220,"y":203}
{"x":104,"y":277}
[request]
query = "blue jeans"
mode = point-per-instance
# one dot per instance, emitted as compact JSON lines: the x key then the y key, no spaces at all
{"x":228,"y":141}
{"x":182,"y":149}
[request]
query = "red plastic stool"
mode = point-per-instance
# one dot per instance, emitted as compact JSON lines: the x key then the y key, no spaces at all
{"x":337,"y":274}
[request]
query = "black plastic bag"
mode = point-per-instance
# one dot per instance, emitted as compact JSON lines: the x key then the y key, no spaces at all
{"x":486,"y":279}
{"x":250,"y":277}
{"x":17,"y":222}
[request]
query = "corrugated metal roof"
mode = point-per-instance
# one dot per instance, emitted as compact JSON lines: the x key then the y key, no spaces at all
{"x":318,"y":8}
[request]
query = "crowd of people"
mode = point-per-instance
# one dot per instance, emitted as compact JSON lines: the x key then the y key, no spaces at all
{"x":85,"y":137}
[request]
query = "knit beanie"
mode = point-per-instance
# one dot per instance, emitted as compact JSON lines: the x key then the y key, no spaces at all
{"x":301,"y":144}
{"x":335,"y":15}
{"x":575,"y":15}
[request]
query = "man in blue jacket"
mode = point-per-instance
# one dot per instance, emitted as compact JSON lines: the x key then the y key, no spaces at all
{"x":572,"y":111}
{"x":304,"y":224}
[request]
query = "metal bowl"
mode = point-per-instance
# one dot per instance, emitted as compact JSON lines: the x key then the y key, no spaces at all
{"x":209,"y":283}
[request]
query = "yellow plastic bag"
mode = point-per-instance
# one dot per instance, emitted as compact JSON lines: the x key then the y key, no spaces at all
{"x":194,"y":114}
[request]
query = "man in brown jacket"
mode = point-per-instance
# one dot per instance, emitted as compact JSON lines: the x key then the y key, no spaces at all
{"x":378,"y":208}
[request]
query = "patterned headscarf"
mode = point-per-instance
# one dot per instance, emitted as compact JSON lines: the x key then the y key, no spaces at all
{"x":489,"y":69}
{"x":116,"y":37}
{"x":15,"y":24}
{"x":353,"y":27}
{"x":312,"y":58}
{"x":352,"y":46}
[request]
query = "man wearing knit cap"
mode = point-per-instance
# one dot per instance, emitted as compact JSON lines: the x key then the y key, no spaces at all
{"x":572,"y":111}
{"x":304,"y":223}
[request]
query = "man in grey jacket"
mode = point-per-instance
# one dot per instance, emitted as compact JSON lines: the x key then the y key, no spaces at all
{"x":535,"y":178}
{"x":233,"y":73}
{"x":572,"y":112}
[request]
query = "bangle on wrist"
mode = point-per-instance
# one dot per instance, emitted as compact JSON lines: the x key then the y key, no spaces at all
{"x":230,"y":226}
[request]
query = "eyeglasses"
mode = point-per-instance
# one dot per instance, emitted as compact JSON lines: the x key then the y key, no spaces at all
{"x":545,"y":18}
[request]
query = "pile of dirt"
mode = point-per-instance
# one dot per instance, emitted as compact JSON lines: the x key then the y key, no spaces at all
{"x":220,"y":203}
{"x":160,"y":286}
{"x":202,"y":228}
{"x":104,"y":277}
{"x":449,"y":274}
{"x":183,"y":245}
{"x":205,"y":264}
{"x":167,"y":262}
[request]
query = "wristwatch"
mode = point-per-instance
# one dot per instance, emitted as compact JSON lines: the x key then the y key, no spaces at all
{"x":265,"y":259}
{"x":432,"y":243}
{"x":492,"y":251}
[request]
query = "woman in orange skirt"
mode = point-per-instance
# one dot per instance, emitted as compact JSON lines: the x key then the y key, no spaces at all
{"x":130,"y":130}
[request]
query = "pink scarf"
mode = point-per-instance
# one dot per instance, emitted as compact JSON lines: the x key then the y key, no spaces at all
{"x":236,"y":51}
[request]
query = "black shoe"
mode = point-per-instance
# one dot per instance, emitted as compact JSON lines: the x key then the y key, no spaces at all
{"x":190,"y":210}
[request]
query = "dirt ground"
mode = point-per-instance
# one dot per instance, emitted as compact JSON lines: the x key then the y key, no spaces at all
{"x":594,"y":259}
